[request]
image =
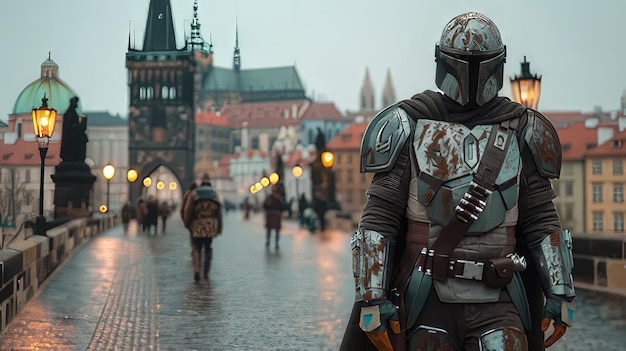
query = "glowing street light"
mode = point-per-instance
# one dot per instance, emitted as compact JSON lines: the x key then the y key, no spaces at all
{"x":526,"y":88}
{"x":108,"y":171}
{"x":132,"y":175}
{"x":297,"y":173}
{"x":274,"y":178}
{"x":44,"y":120}
{"x":328,"y":159}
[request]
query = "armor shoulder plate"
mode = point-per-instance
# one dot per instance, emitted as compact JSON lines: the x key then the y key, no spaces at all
{"x":544,"y":144}
{"x":384,"y":136}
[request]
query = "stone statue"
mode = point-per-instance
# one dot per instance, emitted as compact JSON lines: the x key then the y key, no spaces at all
{"x":74,"y":139}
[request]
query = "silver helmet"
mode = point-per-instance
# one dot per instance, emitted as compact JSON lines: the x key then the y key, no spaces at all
{"x":470,"y":59}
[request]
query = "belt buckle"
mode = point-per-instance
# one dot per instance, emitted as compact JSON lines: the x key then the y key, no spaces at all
{"x":471,"y":270}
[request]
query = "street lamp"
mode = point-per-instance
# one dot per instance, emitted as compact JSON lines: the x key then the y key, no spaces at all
{"x":274,"y":178}
{"x":132,"y":175}
{"x":44,"y":120}
{"x":297,"y":173}
{"x":526,"y":87}
{"x":108,"y":171}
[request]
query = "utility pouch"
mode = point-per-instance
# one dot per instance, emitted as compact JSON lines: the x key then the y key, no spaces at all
{"x":498,"y":272}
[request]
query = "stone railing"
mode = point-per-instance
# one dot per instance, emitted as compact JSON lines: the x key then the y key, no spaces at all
{"x":600,"y":262}
{"x":26,"y":263}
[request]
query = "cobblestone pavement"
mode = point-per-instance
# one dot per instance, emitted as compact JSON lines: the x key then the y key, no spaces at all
{"x":125,"y":290}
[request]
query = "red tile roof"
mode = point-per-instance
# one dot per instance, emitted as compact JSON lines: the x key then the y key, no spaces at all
{"x":576,"y":140}
{"x":26,"y":153}
{"x":265,"y":114}
{"x":211,"y":118}
{"x":327,"y":111}
{"x":349,"y":138}
{"x":616,"y":147}
{"x":249,"y":154}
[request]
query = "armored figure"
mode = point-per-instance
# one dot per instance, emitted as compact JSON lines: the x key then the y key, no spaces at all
{"x":459,"y":243}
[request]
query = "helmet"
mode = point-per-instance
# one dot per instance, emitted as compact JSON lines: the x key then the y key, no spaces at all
{"x":470,"y":59}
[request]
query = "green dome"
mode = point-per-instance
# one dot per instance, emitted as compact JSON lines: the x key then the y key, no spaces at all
{"x":56,"y":90}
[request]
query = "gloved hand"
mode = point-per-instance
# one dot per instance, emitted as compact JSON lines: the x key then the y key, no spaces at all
{"x":377,"y":318}
{"x":562,"y":313}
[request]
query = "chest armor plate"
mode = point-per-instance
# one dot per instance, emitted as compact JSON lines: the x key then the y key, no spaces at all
{"x":448,"y":155}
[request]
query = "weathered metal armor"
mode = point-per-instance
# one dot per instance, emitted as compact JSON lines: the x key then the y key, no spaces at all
{"x":372,"y":275}
{"x":447,"y":156}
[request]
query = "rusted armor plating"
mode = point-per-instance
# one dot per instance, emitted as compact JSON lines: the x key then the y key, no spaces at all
{"x":370,"y":256}
{"x":447,"y":155}
{"x":556,"y":263}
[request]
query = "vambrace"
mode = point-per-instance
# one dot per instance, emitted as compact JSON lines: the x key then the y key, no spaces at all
{"x":554,"y":262}
{"x":371,"y":264}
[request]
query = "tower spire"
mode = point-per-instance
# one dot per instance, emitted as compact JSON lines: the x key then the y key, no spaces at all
{"x":195,"y":41}
{"x":236,"y":53}
{"x":389,"y":93}
{"x":159,"y":34}
{"x":367,"y":92}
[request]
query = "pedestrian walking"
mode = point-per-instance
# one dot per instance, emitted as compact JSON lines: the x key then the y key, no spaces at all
{"x":152,"y":214}
{"x":273,"y":206}
{"x":302,"y":205}
{"x":126,"y":213}
{"x":164,"y":211}
{"x":141,"y":214}
{"x":202,"y":215}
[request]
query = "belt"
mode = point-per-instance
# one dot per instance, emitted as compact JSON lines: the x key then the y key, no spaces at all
{"x":495,"y":272}
{"x":465,"y":269}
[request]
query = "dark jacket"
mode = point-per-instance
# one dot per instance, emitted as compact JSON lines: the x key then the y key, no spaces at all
{"x":273,"y":206}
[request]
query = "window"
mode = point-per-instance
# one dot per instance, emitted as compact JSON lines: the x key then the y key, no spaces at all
{"x":617,"y":167}
{"x":350,"y":179}
{"x":142,"y":93}
{"x":165,"y":92}
{"x":597,"y":221}
{"x":27,"y":175}
{"x":618,"y":222}
{"x":597,"y":193}
{"x":149,"y":93}
{"x":618,"y":192}
{"x":596,"y":167}
{"x":569,"y":188}
{"x":569,"y":212}
{"x":172,"y":93}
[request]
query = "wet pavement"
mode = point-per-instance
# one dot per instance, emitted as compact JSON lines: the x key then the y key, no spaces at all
{"x":126,"y":290}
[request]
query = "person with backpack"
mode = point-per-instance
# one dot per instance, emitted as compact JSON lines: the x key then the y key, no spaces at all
{"x":202,"y":215}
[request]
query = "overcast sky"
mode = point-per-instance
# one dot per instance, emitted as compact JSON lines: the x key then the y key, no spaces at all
{"x":576,"y":45}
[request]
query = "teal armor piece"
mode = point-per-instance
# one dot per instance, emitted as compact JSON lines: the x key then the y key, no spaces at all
{"x":554,"y":263}
{"x":448,"y":155}
{"x":383,"y":139}
{"x":544,"y":144}
{"x":371,"y":254}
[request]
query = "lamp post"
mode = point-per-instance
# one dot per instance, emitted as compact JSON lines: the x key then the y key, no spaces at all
{"x":297,"y":173}
{"x":108,"y":171}
{"x":526,"y":87}
{"x":44,"y":119}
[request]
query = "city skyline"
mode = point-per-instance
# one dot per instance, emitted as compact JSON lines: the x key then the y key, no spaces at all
{"x":331,"y":44}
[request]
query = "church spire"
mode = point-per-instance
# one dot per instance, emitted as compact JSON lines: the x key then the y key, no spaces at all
{"x":195,"y":41}
{"x":159,"y":34}
{"x":367,"y":92}
{"x":236,"y":53}
{"x":389,"y":93}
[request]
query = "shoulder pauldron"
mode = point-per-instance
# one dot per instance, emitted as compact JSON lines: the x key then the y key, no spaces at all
{"x":544,"y":144}
{"x":384,"y":136}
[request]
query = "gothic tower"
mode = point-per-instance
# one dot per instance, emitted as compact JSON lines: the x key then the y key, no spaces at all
{"x":389,"y":93}
{"x":161,"y":123}
{"x":367,"y":92}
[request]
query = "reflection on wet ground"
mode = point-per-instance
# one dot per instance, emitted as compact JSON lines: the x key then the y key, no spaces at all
{"x":128,"y":290}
